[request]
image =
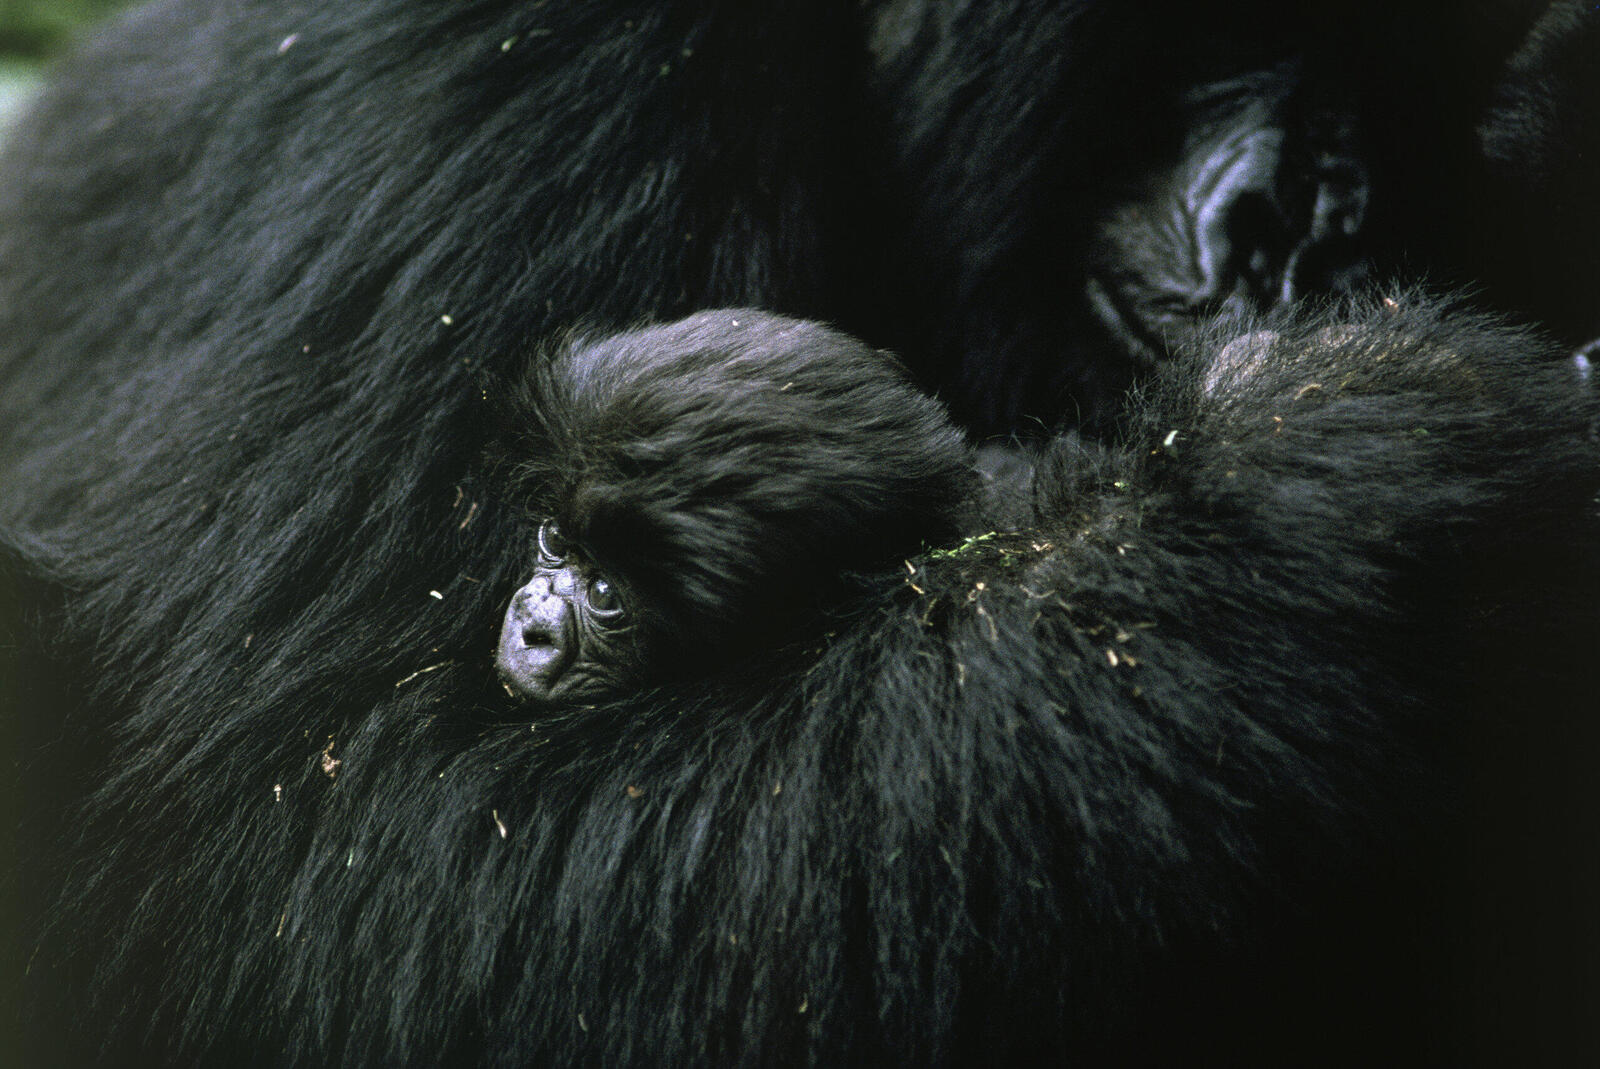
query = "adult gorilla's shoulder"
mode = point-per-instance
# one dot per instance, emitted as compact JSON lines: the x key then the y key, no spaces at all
{"x":1236,"y":748}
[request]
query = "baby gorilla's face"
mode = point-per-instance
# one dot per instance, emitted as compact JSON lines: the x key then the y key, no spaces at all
{"x":567,"y":635}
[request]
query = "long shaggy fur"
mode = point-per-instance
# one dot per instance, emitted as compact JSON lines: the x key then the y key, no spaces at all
{"x":1268,"y":739}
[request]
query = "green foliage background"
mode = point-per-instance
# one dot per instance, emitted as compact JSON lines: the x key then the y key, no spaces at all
{"x":34,"y":29}
{"x":31,"y":31}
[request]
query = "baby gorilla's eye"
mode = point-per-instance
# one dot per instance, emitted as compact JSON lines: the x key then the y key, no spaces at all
{"x":552,"y":547}
{"x":603,"y":599}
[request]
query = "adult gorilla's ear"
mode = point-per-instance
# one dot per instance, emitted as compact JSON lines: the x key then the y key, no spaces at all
{"x":1261,"y":201}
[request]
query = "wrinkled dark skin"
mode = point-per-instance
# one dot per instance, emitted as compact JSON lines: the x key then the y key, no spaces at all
{"x":566,"y":635}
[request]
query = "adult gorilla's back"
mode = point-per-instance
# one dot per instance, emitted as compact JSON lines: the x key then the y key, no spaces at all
{"x":1162,"y":773}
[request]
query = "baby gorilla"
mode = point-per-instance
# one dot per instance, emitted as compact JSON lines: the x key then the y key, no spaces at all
{"x":706,"y":488}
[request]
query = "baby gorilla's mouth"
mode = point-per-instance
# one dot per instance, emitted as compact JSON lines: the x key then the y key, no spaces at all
{"x":537,"y":652}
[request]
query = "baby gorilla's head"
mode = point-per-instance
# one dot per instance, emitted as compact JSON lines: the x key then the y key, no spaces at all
{"x":705,"y":485}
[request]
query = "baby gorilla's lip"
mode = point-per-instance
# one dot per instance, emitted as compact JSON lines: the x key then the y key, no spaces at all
{"x":534,"y":658}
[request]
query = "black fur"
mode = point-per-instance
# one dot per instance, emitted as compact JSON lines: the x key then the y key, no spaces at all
{"x":1268,"y":739}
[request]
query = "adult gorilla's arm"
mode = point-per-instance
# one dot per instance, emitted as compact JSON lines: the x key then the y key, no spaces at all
{"x":1160,"y":771}
{"x":1085,"y":776}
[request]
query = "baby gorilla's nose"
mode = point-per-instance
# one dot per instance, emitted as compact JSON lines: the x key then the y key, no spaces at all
{"x":535,"y":642}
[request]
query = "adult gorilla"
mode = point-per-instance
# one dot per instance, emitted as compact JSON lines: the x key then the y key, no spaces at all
{"x":1266,"y":749}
